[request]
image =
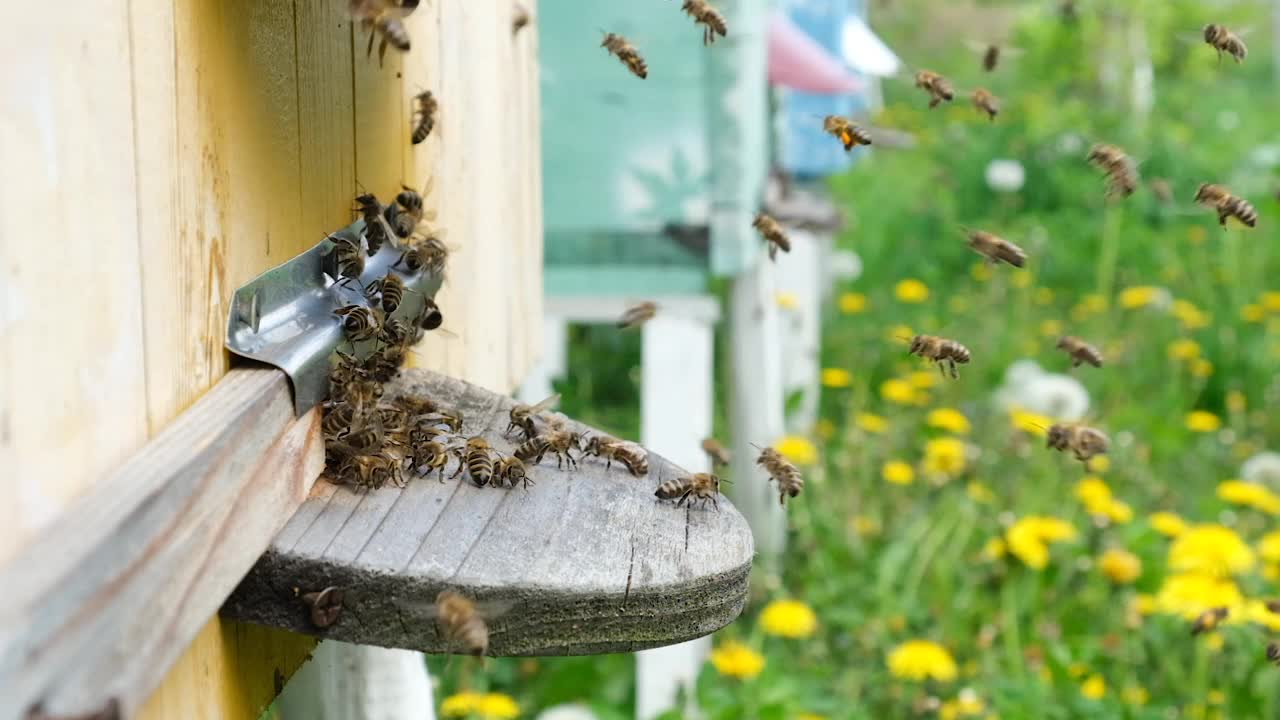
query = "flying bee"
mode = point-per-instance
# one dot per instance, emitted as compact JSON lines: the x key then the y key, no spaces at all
{"x":941,"y":351}
{"x":476,"y":457}
{"x":1209,"y":619}
{"x":637,"y":315}
{"x":511,"y":471}
{"x":1083,"y":441}
{"x":522,"y":416}
{"x":718,"y":454}
{"x":359,"y":323}
{"x":844,"y":129}
{"x":1080,"y":351}
{"x":937,"y":86}
{"x":383,"y":18}
{"x":992,"y":54}
{"x":985,"y":102}
{"x":618,"y":45}
{"x":389,"y":290}
{"x":781,"y":471}
{"x":460,"y":622}
{"x":996,"y":249}
{"x":1224,"y":41}
{"x":376,"y":231}
{"x":773,"y":235}
{"x":1162,"y":190}
{"x":610,"y":449}
{"x":703,"y":14}
{"x":424,"y":116}
{"x":347,"y":259}
{"x":1121,"y":172}
{"x":1227,"y":205}
{"x":1273,"y":653}
{"x":699,"y":486}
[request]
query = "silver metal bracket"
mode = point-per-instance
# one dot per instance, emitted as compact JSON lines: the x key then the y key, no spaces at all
{"x":284,"y":317}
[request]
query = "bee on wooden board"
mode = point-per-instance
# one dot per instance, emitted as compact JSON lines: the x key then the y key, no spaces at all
{"x":1082,"y":441}
{"x":376,"y":231}
{"x":359,"y":323}
{"x":938,"y":87}
{"x":703,"y":14}
{"x":511,"y":471}
{"x":942,"y":351}
{"x":781,"y":471}
{"x":476,"y":457}
{"x":637,"y":315}
{"x":996,"y":249}
{"x":560,"y":442}
{"x":698,"y":486}
{"x":522,"y":416}
{"x":383,"y":19}
{"x":718,"y":454}
{"x":773,"y":235}
{"x":424,"y":116}
{"x":1223,"y":40}
{"x":985,"y":102}
{"x":1080,"y":351}
{"x":1120,"y":170}
{"x":1209,"y":619}
{"x":618,"y":46}
{"x":348,"y":260}
{"x":610,"y":449}
{"x":427,"y":454}
{"x":371,"y":472}
{"x":844,"y":129}
{"x":1226,"y":204}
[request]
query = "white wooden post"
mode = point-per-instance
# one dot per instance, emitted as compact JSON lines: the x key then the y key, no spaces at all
{"x":555,"y":338}
{"x":359,"y":682}
{"x":799,"y":274}
{"x":675,"y":415}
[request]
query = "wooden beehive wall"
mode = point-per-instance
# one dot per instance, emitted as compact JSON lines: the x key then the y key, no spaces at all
{"x":155,"y":155}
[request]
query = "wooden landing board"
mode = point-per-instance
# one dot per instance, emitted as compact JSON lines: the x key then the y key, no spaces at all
{"x":588,"y":560}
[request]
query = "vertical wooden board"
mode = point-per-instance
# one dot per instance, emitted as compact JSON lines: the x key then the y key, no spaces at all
{"x":326,"y":112}
{"x":531,"y":150}
{"x":380,"y":118}
{"x":71,"y":402}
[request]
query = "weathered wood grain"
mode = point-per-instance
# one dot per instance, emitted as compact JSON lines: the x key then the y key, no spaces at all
{"x":589,"y":559}
{"x":104,"y":601}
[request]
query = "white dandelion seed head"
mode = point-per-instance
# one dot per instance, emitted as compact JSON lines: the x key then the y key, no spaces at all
{"x":1030,"y":388}
{"x":1070,"y":144}
{"x":1005,"y":175}
{"x":1262,"y":468}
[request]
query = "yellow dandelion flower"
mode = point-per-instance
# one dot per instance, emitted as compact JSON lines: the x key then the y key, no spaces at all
{"x":944,"y":456}
{"x":994,"y":549}
{"x":899,"y":333}
{"x":733,"y":659}
{"x":1094,"y":688}
{"x":1236,"y":401}
{"x":1098,"y":464}
{"x":1271,"y":572}
{"x":1135,"y":695}
{"x":898,"y":391}
{"x":1189,"y":594}
{"x":852,"y":303}
{"x":1191,"y":317}
{"x":898,"y":472}
{"x":922,"y":379}
{"x":948,"y":419}
{"x":1144,"y":603}
{"x":1120,"y":566}
{"x":1167,"y":523}
{"x":1051,"y":328}
{"x":870,"y":422}
{"x":1137,"y":297}
{"x":1256,"y":611}
{"x":461,"y":704}
{"x":1029,"y":538}
{"x":1252,"y":313}
{"x":1042,"y":296}
{"x":1184,"y":349}
{"x":865,"y":525}
{"x":797,"y":449}
{"x":498,"y":706}
{"x":1203,"y":421}
{"x":911,"y":291}
{"x":1021,"y":279}
{"x":979,"y":493}
{"x":1258,"y":497}
{"x":1269,"y":547}
{"x":1201,"y":368}
{"x":1029,"y":422}
{"x":922,"y":660}
{"x":787,"y":301}
{"x":1215,"y":697}
{"x":836,"y":378}
{"x":980,"y":271}
{"x":1093,"y":492}
{"x":1211,"y":549}
{"x":788,"y":619}
{"x":1270,"y":301}
{"x":1118,"y":512}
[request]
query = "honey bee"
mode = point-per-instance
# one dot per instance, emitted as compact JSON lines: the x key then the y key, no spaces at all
{"x":375,"y":229}
{"x":522,"y":416}
{"x":425,"y":253}
{"x":1227,"y":205}
{"x":1083,"y":441}
{"x":406,"y":213}
{"x":359,"y":323}
{"x":384,"y":18}
{"x":1224,"y":41}
{"x":373,"y":471}
{"x":389,"y":290}
{"x":1080,"y":351}
{"x":451,"y":419}
{"x":520,"y":18}
{"x":991,"y":57}
{"x":1161,"y":189}
{"x":1273,"y":606}
{"x":618,"y":45}
{"x":781,"y":471}
{"x":773,"y":235}
{"x":718,"y":454}
{"x":477,"y":459}
{"x":424,"y":116}
{"x":430,"y":317}
{"x":1209,"y":619}
{"x":996,"y":249}
{"x":560,"y":442}
{"x":347,"y":259}
{"x":531,"y":450}
{"x":703,"y":14}
{"x":511,"y":470}
{"x":427,"y":455}
{"x":1120,"y":170}
{"x":844,"y":129}
{"x":941,"y":351}
{"x":1273,"y":653}
{"x":637,"y":315}
{"x":460,"y":622}
{"x":937,"y":86}
{"x":699,"y":486}
{"x":985,"y":102}
{"x":611,"y":449}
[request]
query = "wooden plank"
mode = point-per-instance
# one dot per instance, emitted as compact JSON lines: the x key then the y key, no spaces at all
{"x":102,"y":603}
{"x":592,"y":560}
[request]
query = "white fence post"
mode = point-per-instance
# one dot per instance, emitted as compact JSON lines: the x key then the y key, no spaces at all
{"x":359,"y":682}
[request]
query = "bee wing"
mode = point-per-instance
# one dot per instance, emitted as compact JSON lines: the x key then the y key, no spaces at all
{"x":429,"y":610}
{"x":544,"y":404}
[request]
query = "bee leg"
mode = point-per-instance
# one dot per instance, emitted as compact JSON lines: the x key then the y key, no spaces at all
{"x":369,"y":51}
{"x":684,"y":497}
{"x":941,"y":369}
